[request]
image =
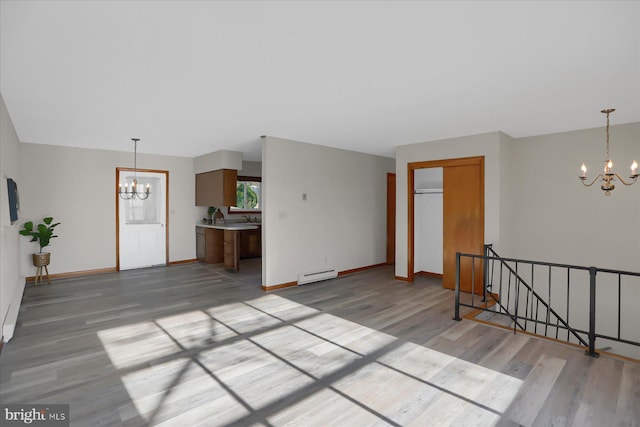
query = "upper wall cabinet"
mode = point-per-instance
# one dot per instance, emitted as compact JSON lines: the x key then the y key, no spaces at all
{"x":216,"y":188}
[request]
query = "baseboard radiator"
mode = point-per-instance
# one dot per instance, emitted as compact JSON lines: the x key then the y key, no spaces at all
{"x":306,"y":278}
{"x":11,"y":319}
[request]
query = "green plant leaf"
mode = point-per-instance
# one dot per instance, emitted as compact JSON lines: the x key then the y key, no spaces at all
{"x":42,"y":234}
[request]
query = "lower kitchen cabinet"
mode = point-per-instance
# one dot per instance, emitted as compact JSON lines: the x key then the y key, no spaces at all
{"x":232,"y":250}
{"x":209,"y":246}
{"x":251,"y":244}
{"x":215,"y":246}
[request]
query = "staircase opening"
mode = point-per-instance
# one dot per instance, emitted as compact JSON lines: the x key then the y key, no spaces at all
{"x":575,"y":305}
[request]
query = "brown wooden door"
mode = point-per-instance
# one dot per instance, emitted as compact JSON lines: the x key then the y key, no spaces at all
{"x":463,"y":204}
{"x":391,"y":218}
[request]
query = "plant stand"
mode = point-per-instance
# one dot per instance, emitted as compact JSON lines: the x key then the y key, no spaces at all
{"x":41,"y":260}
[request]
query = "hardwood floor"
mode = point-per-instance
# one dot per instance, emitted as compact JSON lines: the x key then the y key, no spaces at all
{"x":192,"y":345}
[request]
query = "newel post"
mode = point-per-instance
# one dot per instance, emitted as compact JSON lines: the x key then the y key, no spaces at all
{"x":592,"y":313}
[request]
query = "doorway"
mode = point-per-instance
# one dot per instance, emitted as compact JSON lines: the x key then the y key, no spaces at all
{"x":391,"y":218}
{"x":463,"y":217}
{"x":428,"y":227}
{"x":142,"y":229}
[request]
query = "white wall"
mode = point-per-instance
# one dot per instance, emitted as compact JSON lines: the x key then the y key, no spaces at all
{"x":221,"y":159}
{"x":553,"y":218}
{"x":428,"y":233}
{"x":77,"y":187}
{"x":508,"y":168}
{"x":487,"y":145}
{"x":556,"y":218}
{"x":250,"y":168}
{"x":535,"y":206}
{"x":11,"y":284}
{"x":341,"y":225}
{"x":428,"y":179}
{"x":428,"y":221}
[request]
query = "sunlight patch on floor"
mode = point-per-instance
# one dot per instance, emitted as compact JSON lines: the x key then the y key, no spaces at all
{"x":298,"y":351}
{"x":242,"y":318}
{"x":456,"y":388}
{"x":241,"y":359}
{"x":136,"y":344}
{"x":194,"y":329}
{"x":178,"y":388}
{"x":414,"y":385}
{"x":325,"y":408}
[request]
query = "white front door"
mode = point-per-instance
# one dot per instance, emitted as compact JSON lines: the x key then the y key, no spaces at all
{"x":142,"y":236}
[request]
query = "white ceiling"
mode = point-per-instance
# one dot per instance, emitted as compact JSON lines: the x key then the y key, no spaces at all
{"x":189,"y":78}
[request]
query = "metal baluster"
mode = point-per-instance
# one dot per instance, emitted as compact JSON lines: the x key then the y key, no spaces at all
{"x":509,"y":292}
{"x":485,"y":277}
{"x":535,"y":324}
{"x":526,"y":306}
{"x":517,"y":284}
{"x":546,"y":324}
{"x":500,"y":292}
{"x":493,"y":270}
{"x":568,"y":281}
{"x":619,"y":302}
{"x":456,"y":315}
{"x":473,"y":281}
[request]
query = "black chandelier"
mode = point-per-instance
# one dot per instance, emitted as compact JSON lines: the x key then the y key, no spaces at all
{"x":132,"y":193}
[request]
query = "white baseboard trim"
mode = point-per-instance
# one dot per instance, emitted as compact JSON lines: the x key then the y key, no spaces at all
{"x":14,"y":308}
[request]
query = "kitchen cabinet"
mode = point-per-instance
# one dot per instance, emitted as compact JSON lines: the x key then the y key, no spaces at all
{"x":216,"y":188}
{"x":251,"y":244}
{"x":209,"y":245}
{"x":228,"y":244}
{"x":232,"y":250}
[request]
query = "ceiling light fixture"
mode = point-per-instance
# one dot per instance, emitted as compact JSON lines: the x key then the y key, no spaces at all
{"x":609,"y":176}
{"x":133,"y":193}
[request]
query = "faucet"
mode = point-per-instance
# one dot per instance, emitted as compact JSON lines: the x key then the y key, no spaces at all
{"x":248,"y":218}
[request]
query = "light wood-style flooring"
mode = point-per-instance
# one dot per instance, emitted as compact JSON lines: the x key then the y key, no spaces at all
{"x":192,"y":345}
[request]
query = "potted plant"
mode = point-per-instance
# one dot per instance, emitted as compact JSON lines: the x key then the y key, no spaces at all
{"x":42,"y":234}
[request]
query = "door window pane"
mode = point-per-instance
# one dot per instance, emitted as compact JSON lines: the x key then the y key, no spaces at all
{"x":146,"y":211}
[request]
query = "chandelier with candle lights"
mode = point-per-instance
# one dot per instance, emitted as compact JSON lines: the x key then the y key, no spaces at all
{"x":132,"y":193}
{"x":609,"y":176}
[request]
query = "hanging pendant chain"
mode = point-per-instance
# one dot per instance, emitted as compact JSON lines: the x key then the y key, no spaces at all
{"x":608,"y":158}
{"x":135,"y":158}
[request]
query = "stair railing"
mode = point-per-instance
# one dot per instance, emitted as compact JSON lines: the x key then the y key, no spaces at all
{"x":513,"y":287}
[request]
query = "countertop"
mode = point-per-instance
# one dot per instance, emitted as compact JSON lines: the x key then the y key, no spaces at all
{"x":231,"y":226}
